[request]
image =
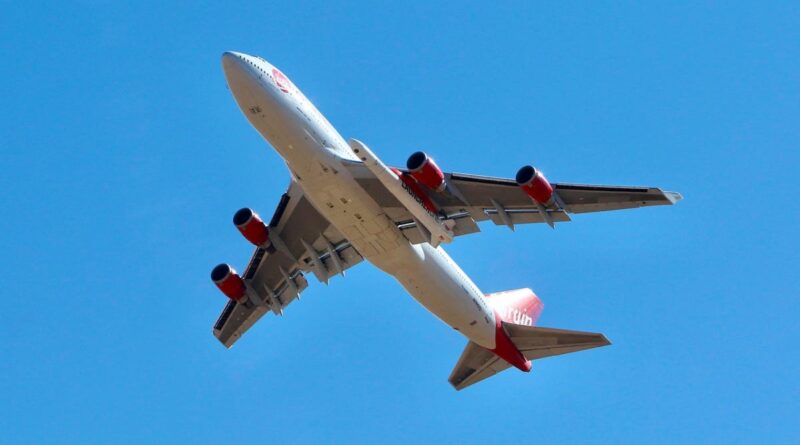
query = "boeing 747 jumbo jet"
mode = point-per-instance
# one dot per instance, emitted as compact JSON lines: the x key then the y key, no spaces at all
{"x":344,"y":205}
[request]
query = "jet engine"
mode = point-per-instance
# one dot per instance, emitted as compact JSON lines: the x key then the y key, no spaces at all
{"x":425,"y":171}
{"x":535,"y":185}
{"x":252,"y":227}
{"x":229,"y":282}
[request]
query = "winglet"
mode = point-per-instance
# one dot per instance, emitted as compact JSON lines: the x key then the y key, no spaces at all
{"x":673,"y":197}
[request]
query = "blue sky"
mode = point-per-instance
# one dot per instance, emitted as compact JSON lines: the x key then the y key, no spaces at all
{"x":124,"y":157}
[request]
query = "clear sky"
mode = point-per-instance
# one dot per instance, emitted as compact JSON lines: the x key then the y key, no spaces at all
{"x":123,"y":157}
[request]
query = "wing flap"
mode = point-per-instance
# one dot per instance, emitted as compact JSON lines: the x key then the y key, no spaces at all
{"x":525,"y":216}
{"x":462,"y":224}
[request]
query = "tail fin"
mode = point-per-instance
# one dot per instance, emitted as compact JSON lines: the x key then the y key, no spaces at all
{"x":518,"y":306}
{"x":518,"y":311}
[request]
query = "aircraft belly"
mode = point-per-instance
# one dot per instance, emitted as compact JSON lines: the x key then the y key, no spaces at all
{"x":339,"y":198}
{"x":427,"y":273}
{"x":445,"y":291}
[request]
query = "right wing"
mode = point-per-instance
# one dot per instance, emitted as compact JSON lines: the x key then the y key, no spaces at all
{"x":469,"y":199}
{"x":485,"y":193}
{"x":478,"y":363}
{"x":303,"y":241}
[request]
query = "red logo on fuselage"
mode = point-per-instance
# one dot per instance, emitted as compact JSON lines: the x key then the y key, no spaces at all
{"x":281,"y":80}
{"x":519,"y":306}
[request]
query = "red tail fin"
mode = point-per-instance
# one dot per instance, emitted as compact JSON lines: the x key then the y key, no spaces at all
{"x":518,"y":306}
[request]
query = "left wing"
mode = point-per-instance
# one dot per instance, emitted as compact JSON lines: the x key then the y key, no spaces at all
{"x":302,"y":241}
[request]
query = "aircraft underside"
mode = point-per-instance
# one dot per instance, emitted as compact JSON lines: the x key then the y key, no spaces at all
{"x":344,"y":205}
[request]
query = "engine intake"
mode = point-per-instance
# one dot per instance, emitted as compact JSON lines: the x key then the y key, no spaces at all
{"x":535,"y":185}
{"x":229,"y":282}
{"x":252,"y":227}
{"x":425,"y":171}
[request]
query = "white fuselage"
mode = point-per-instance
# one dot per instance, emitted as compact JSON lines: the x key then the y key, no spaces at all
{"x":314,"y":152}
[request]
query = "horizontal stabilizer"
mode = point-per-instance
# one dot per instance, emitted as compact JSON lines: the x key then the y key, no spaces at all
{"x":535,"y":343}
{"x":478,"y":363}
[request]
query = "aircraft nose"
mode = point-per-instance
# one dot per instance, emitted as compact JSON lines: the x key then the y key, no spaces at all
{"x":236,"y":66}
{"x":230,"y":58}
{"x":238,"y":73}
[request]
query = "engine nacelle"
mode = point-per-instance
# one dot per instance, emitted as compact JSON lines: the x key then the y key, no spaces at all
{"x":535,"y":185}
{"x":425,"y":171}
{"x":229,"y":282}
{"x":252,"y":227}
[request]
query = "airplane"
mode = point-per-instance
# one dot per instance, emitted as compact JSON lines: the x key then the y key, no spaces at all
{"x":344,"y":205}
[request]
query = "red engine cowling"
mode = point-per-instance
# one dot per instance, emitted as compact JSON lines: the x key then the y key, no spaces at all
{"x":252,"y":226}
{"x":535,"y":185}
{"x":425,"y":171}
{"x":229,"y":282}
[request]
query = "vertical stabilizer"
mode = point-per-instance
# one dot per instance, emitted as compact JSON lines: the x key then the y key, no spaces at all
{"x":518,"y":306}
